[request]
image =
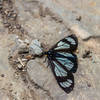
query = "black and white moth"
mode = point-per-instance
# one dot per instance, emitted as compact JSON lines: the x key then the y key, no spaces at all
{"x":63,"y":61}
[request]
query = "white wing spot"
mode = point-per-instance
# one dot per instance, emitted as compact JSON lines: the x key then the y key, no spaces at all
{"x":62,"y":84}
{"x":66,"y":63}
{"x":66,"y":54}
{"x":62,"y":45}
{"x":70,"y":81}
{"x":71,"y":40}
{"x":65,"y":84}
{"x":59,"y":71}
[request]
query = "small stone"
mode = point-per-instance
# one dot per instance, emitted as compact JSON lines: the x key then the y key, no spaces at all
{"x":24,"y":60}
{"x":18,"y":26}
{"x":22,"y":30}
{"x":79,"y":18}
{"x":23,"y":50}
{"x":9,"y":14}
{"x":10,"y":28}
{"x":28,"y":57}
{"x":57,"y":18}
{"x":14,"y":15}
{"x":26,"y":41}
{"x":35,"y":48}
{"x":18,"y":41}
{"x":6,"y":11}
{"x":2,"y":75}
{"x":36,"y":72}
{"x":21,"y":46}
{"x":20,"y":67}
{"x":89,"y":85}
{"x":16,"y":75}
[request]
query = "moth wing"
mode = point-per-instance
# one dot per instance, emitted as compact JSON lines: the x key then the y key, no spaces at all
{"x":68,"y":43}
{"x":64,"y":78}
{"x":67,"y":60}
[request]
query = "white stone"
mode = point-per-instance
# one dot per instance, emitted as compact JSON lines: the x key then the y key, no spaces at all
{"x":35,"y":47}
{"x":26,"y":41}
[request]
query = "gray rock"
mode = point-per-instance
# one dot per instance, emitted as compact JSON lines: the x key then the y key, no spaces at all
{"x":20,"y":67}
{"x":36,"y":72}
{"x":23,"y":49}
{"x":43,"y":76}
{"x":21,"y":45}
{"x":19,"y":42}
{"x":26,"y":41}
{"x":35,"y":47}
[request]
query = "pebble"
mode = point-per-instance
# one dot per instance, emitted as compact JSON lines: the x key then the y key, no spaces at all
{"x":21,"y":46}
{"x":24,"y":60}
{"x":20,"y":67}
{"x":9,"y":14}
{"x":35,"y":47}
{"x":23,"y":49}
{"x":18,"y":26}
{"x":36,"y":72}
{"x":26,"y":41}
{"x":79,"y":18}
{"x":2,"y":75}
{"x":18,"y":42}
{"x":14,"y":16}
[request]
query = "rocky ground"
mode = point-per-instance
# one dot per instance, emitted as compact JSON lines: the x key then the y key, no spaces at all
{"x":24,"y":77}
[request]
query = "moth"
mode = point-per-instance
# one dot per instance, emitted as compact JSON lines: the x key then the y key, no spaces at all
{"x":63,"y":62}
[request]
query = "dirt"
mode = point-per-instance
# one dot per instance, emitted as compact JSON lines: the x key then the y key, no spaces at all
{"x":48,"y":21}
